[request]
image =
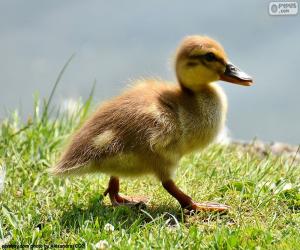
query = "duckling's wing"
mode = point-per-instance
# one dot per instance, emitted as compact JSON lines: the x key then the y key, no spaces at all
{"x":92,"y":143}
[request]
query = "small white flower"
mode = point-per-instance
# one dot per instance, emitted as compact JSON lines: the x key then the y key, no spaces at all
{"x":102,"y":244}
{"x":109,"y":227}
{"x":5,"y":240}
{"x":287,"y":186}
{"x":2,"y":177}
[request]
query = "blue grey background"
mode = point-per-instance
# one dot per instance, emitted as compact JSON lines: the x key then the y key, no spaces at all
{"x":116,"y":41}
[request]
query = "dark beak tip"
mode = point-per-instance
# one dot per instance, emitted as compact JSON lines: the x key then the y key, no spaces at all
{"x":249,"y":82}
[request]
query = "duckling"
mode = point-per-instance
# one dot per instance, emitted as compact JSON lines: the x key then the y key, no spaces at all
{"x":150,"y":126}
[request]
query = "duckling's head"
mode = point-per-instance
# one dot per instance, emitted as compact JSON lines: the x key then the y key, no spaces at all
{"x":201,"y":60}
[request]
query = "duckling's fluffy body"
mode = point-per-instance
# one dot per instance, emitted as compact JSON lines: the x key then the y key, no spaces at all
{"x":146,"y":130}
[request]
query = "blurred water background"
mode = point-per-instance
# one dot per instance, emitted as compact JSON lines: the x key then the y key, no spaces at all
{"x":116,"y":41}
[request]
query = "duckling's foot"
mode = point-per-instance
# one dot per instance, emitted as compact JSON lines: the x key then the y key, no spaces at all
{"x":136,"y":201}
{"x":207,"y":206}
{"x":186,"y":201}
{"x":117,"y":199}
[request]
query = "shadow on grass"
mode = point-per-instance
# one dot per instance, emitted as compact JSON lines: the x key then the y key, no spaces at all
{"x":125,"y":217}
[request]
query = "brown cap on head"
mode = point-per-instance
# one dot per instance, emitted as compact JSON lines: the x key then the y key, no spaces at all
{"x":194,"y":43}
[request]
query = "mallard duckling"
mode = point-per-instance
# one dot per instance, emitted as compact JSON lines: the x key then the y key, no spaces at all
{"x":148,"y":128}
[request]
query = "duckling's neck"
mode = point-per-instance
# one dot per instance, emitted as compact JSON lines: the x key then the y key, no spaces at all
{"x":212,"y":86}
{"x":210,"y":99}
{"x":186,"y":90}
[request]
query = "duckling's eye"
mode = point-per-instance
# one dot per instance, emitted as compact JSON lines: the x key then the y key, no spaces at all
{"x":210,"y":57}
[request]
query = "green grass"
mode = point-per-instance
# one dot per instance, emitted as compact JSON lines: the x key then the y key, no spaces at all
{"x":37,"y":208}
{"x":40,"y":209}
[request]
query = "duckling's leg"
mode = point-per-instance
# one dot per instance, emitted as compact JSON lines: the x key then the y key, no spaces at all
{"x":186,"y":201}
{"x":116,"y":199}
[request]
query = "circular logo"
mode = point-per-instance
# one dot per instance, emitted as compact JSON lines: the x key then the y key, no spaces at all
{"x":274,"y":8}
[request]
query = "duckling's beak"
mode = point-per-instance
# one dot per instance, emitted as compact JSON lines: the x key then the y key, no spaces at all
{"x":234,"y":75}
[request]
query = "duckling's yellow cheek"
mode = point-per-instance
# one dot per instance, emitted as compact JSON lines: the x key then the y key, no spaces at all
{"x":104,"y":138}
{"x":204,"y":74}
{"x":194,"y":77}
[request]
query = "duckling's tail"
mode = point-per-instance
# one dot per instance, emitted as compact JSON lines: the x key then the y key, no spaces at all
{"x":67,"y":168}
{"x":60,"y":170}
